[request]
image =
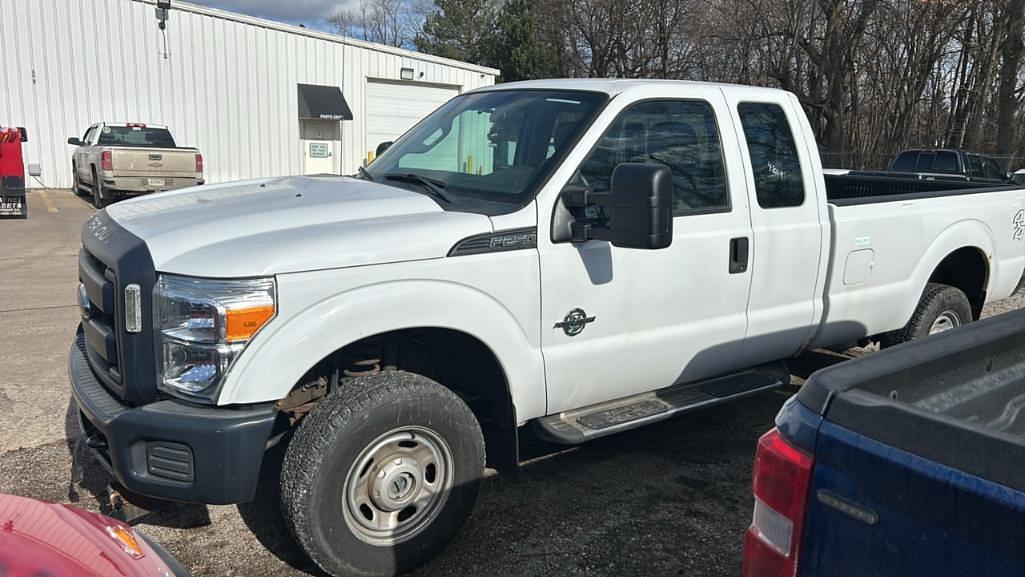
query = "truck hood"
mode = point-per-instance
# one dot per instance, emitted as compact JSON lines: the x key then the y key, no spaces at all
{"x":292,"y":224}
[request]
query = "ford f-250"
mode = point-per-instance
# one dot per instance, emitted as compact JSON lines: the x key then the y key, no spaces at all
{"x":115,"y":159}
{"x":578,"y":256}
{"x":907,"y":463}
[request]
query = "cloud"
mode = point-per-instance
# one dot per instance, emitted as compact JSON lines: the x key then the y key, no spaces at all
{"x":291,"y":11}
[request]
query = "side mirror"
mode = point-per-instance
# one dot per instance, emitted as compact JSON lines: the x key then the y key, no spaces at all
{"x":641,"y":205}
{"x":382,"y":147}
{"x":74,"y":141}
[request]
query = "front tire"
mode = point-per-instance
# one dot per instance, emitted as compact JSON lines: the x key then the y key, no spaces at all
{"x":381,"y":474}
{"x":941,"y":308}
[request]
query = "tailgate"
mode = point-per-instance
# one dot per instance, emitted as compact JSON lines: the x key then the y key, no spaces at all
{"x":169,"y":162}
{"x":876,"y":510}
{"x":920,"y":458}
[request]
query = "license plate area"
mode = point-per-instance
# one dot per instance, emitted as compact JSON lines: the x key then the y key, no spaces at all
{"x":155,"y":182}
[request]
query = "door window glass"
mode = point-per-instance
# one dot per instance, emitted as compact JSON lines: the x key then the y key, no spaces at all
{"x":774,"y":162}
{"x":975,"y":166}
{"x":681,"y":134}
{"x":991,"y":169}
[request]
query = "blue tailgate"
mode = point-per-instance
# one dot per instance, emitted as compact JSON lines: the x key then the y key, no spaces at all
{"x":874,"y":510}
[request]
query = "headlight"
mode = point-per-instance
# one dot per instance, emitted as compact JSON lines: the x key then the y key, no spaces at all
{"x":203,"y":325}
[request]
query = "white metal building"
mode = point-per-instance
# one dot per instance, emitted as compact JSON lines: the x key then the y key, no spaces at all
{"x":226,"y":83}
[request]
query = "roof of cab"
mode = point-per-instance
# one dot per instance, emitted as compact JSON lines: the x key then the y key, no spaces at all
{"x":610,"y":86}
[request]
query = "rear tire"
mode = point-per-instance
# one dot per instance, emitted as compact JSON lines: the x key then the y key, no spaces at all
{"x":100,"y":198}
{"x":76,"y":184}
{"x":941,"y":308}
{"x":381,"y":474}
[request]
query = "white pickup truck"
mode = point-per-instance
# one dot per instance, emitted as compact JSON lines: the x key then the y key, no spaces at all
{"x":113,"y":159}
{"x":577,"y":256}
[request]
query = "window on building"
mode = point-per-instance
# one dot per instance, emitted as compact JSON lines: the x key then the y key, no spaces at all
{"x":774,"y":162}
{"x":681,"y":134}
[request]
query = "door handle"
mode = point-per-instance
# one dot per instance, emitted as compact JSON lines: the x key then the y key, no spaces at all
{"x":738,"y":254}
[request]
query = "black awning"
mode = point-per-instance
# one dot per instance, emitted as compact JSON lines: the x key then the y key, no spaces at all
{"x":323,"y":103}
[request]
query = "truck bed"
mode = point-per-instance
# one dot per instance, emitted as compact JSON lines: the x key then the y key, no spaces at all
{"x":919,"y":456}
{"x":867,"y":187}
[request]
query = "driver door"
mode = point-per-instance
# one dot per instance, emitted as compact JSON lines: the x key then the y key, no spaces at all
{"x":618,"y":322}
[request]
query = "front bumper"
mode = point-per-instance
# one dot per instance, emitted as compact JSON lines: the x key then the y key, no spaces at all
{"x":170,"y":449}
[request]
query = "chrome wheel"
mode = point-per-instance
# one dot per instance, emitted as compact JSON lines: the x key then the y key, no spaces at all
{"x":946,"y":321}
{"x":397,"y":485}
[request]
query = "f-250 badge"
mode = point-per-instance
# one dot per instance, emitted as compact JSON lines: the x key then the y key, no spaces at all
{"x":1019,"y":225}
{"x":574,"y":322}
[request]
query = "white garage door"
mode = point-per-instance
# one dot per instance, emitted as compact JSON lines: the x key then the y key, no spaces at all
{"x":393,"y":108}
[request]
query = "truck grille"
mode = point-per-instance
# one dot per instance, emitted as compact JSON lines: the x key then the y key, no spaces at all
{"x":99,"y":320}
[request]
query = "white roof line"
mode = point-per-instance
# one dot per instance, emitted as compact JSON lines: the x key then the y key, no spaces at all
{"x":252,"y":20}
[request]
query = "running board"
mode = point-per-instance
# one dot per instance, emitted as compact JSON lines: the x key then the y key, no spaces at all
{"x":577,"y":426}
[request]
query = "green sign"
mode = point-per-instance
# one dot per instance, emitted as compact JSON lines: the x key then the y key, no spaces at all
{"x":319,"y":150}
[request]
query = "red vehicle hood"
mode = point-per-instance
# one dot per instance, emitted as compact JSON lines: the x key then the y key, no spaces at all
{"x":47,"y":538}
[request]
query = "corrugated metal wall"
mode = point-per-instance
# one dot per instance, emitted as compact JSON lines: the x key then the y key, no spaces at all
{"x":227,"y":86}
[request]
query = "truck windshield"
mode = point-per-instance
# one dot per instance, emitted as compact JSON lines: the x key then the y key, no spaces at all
{"x":487,"y":151}
{"x":135,"y":136}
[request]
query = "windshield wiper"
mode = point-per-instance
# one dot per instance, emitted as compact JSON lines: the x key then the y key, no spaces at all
{"x":432,"y":185}
{"x":365,"y":173}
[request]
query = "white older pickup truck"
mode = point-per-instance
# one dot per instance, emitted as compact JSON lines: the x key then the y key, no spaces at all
{"x":577,"y":256}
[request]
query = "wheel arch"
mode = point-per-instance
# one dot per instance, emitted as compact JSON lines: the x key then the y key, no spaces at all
{"x":455,"y":319}
{"x":967,"y":269}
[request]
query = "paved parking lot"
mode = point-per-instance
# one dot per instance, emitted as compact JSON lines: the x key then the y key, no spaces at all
{"x":671,"y":499}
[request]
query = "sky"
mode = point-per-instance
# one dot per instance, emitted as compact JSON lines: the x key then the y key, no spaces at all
{"x":312,"y":13}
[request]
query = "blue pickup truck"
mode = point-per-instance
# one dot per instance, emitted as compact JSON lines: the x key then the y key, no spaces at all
{"x":909,"y":462}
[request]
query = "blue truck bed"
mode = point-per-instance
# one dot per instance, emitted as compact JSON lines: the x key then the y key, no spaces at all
{"x":908,"y":462}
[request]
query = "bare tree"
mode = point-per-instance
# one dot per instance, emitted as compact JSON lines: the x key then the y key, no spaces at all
{"x":391,"y":22}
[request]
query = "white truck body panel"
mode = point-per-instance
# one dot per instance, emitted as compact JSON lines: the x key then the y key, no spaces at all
{"x":292,"y":224}
{"x":354,"y":259}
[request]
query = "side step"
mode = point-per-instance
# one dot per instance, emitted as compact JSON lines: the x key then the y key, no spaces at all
{"x":603,"y":419}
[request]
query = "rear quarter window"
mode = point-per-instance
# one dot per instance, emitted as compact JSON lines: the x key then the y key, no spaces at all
{"x":775,"y":165}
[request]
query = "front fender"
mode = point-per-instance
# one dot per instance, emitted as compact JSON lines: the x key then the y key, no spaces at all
{"x":302,"y":334}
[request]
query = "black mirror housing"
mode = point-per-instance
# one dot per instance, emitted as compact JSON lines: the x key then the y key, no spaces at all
{"x":641,"y":206}
{"x":382,"y":147}
{"x":74,"y":141}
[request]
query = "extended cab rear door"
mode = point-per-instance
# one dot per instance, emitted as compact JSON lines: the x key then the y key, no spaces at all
{"x":618,"y":322}
{"x":786,"y":193}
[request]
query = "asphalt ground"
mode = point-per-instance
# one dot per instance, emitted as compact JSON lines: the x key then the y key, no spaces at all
{"x":669,"y":499}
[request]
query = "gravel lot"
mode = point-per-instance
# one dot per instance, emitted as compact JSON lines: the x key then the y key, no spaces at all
{"x":671,"y":499}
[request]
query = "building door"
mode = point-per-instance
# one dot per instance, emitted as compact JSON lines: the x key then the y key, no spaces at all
{"x":394,"y":107}
{"x":320,"y":142}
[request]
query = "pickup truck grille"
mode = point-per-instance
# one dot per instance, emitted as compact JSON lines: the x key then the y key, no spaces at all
{"x":99,"y":320}
{"x":111,"y":259}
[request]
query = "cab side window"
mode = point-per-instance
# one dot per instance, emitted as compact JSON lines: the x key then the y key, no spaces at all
{"x":991,"y":169}
{"x":681,"y":134}
{"x":774,"y":161}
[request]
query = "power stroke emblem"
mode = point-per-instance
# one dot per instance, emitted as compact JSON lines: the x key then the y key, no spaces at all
{"x":574,"y":322}
{"x":1019,"y":225}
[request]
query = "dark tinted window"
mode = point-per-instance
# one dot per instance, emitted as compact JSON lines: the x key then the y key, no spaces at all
{"x":681,"y":134}
{"x":135,"y":136}
{"x":774,"y":162}
{"x":991,"y":169}
{"x":905,"y":162}
{"x":945,"y":162}
{"x":975,"y":166}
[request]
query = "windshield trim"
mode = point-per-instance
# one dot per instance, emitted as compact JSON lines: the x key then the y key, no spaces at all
{"x":465,"y":203}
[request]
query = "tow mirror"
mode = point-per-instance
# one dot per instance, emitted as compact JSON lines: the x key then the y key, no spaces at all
{"x":640,"y":203}
{"x":382,"y":147}
{"x":74,"y":141}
